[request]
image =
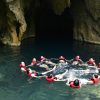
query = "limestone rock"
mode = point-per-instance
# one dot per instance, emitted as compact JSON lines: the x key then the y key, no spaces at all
{"x":86,"y":14}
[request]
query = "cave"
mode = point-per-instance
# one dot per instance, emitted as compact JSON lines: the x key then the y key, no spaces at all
{"x":49,"y":25}
{"x":59,"y":20}
{"x":52,"y":26}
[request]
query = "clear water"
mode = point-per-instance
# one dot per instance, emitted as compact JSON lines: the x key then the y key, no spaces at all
{"x":14,"y":84}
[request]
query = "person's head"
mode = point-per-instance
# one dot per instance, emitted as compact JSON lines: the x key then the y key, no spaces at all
{"x":76,"y":82}
{"x":77,"y":57}
{"x":50,"y":76}
{"x":91,"y":59}
{"x":42,"y":57}
{"x":23,"y":64}
{"x":61,"y":58}
{"x":34,"y":59}
{"x":95,"y":76}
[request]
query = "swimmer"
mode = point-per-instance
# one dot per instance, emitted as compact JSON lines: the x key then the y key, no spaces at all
{"x":98,"y":65}
{"x":34,"y":74}
{"x":62,"y":59}
{"x":50,"y":78}
{"x":91,"y":61}
{"x":77,"y":60}
{"x":74,"y":84}
{"x":23,"y":67}
{"x":60,"y":77}
{"x":42,"y":58}
{"x":94,"y":80}
{"x":33,"y":61}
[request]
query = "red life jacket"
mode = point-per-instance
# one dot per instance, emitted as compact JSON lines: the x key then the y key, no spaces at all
{"x":21,"y":66}
{"x":94,"y":80}
{"x":99,"y":65}
{"x":50,"y":79}
{"x":33,"y":62}
{"x":90,"y":62}
{"x":73,"y":86}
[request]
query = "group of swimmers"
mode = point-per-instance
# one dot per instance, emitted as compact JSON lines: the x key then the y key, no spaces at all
{"x":61,"y":69}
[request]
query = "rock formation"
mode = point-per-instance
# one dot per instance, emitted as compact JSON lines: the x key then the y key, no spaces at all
{"x":86,"y":15}
{"x":17,"y":18}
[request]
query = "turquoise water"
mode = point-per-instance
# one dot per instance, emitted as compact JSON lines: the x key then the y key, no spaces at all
{"x":14,"y":85}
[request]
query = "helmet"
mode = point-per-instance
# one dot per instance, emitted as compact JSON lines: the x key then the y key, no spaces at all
{"x":78,"y":57}
{"x":34,"y":59}
{"x":61,"y":57}
{"x":50,"y":76}
{"x":95,"y":75}
{"x":23,"y":64}
{"x":76,"y":82}
{"x":42,"y":57}
{"x":91,"y":59}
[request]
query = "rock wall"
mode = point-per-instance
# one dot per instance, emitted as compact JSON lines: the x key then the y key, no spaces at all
{"x":17,"y":18}
{"x":86,"y":14}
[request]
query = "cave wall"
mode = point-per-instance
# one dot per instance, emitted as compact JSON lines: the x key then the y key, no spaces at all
{"x":14,"y":21}
{"x":18,"y":18}
{"x":86,"y":15}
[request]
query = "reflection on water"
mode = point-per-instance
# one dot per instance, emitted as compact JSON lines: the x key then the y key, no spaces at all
{"x":86,"y":50}
{"x":14,"y":84}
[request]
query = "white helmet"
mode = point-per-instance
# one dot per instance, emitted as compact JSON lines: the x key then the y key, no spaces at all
{"x":34,"y":59}
{"x":91,"y":59}
{"x":23,"y":63}
{"x":42,"y":58}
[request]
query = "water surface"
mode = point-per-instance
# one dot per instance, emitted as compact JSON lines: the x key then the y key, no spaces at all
{"x":14,"y":84}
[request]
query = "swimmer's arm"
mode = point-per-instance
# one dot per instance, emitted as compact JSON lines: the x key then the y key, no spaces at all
{"x":38,"y":77}
{"x":60,"y":79}
{"x":47,"y":72}
{"x":29,"y":65}
{"x":90,"y":82}
{"x":50,"y":70}
{"x":49,"y":62}
{"x":67,"y":83}
{"x":99,"y":76}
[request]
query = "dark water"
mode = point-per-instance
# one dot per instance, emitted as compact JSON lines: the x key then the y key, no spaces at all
{"x":14,"y":84}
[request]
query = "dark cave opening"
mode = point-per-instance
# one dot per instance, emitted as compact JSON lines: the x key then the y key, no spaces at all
{"x":50,"y":26}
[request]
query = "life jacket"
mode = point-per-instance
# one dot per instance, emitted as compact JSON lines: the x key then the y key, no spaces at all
{"x":23,"y":68}
{"x":78,"y":59}
{"x":99,"y":65}
{"x":73,"y":86}
{"x":21,"y":65}
{"x":42,"y":58}
{"x":50,"y":79}
{"x":90,"y":63}
{"x":94,"y":80}
{"x":33,"y":62}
